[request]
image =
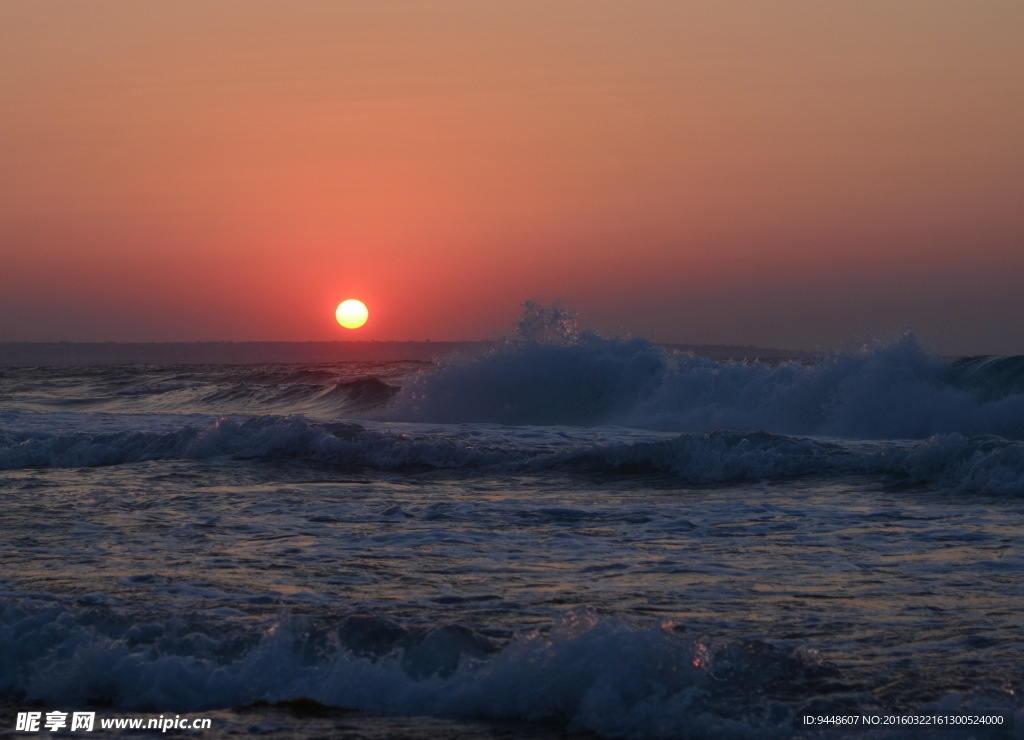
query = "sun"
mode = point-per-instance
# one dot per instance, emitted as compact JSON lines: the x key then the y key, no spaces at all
{"x":351,"y":313}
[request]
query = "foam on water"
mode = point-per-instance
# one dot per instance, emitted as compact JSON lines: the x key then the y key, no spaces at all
{"x":606,"y":675}
{"x":988,"y":464}
{"x":889,"y":391}
{"x":587,"y":672}
{"x":597,"y":533}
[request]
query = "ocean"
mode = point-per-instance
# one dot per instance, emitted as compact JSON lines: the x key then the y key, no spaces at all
{"x":553,"y":535}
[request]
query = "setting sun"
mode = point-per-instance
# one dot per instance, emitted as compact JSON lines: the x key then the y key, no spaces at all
{"x":351,"y":313}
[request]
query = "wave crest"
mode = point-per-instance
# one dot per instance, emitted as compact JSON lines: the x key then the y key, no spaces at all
{"x":894,"y":391}
{"x":586,"y":672}
{"x":955,"y":462}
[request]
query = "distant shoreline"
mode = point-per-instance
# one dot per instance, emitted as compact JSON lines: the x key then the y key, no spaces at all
{"x":69,"y":354}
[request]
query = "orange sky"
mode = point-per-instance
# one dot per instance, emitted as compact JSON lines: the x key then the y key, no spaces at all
{"x":783,"y":173}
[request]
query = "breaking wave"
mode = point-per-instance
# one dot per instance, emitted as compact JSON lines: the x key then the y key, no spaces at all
{"x":891,"y":391}
{"x":586,"y":672}
{"x":984,"y":464}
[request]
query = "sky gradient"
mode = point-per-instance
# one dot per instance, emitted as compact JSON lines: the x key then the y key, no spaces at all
{"x":786,"y":173}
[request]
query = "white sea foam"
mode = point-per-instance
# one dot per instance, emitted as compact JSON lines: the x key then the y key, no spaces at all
{"x":862,"y":504}
{"x":588,"y":672}
{"x":889,"y":391}
{"x":988,"y":464}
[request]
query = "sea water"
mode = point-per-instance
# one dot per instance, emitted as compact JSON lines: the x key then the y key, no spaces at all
{"x":553,"y":534}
